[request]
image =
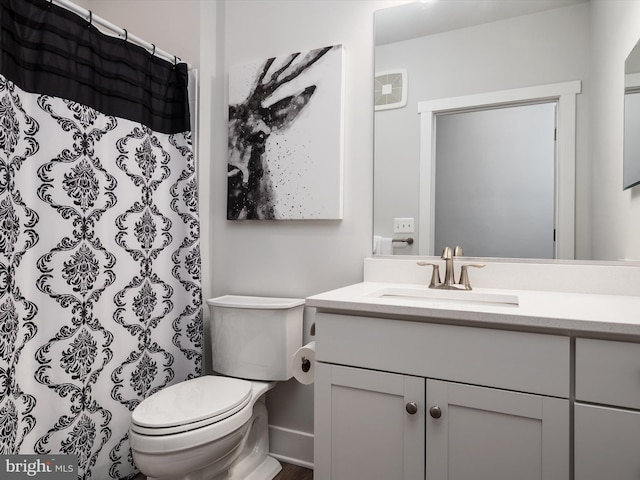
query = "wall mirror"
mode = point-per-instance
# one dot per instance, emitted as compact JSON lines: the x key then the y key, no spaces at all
{"x":631,"y":165}
{"x":446,"y":51}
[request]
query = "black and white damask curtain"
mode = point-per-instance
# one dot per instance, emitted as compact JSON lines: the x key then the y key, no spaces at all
{"x":100,"y":299}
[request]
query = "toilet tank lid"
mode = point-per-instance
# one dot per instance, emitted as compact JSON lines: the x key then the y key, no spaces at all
{"x":240,"y":301}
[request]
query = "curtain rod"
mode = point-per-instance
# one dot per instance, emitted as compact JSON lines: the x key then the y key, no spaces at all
{"x":118,"y":31}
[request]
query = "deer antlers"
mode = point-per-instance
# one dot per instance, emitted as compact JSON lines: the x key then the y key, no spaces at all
{"x":262,"y":90}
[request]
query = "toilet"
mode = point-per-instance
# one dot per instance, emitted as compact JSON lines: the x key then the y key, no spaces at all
{"x":215,"y":427}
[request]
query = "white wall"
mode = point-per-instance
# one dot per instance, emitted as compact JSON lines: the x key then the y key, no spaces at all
{"x":172,"y":25}
{"x":304,"y":257}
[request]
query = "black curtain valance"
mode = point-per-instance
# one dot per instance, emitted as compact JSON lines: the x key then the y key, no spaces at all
{"x":50,"y":50}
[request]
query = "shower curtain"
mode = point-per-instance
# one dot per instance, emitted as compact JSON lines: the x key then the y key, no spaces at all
{"x":100,"y":298}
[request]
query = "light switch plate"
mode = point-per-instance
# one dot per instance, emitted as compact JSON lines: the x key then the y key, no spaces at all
{"x":403,"y":225}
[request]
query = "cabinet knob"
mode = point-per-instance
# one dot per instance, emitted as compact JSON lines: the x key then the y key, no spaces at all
{"x":412,"y":408}
{"x":435,"y":412}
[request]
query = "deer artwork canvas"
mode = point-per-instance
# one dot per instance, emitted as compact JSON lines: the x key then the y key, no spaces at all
{"x":285,"y":137}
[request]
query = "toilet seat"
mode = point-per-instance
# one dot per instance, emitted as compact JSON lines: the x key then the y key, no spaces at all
{"x":190,"y":405}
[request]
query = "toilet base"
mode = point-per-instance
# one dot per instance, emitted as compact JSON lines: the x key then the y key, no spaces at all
{"x":266,"y":470}
{"x":255,"y":462}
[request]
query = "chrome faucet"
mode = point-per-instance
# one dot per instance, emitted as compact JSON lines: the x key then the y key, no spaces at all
{"x":449,"y":274}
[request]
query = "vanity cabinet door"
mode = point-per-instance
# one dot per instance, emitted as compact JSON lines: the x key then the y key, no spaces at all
{"x":368,"y":425}
{"x":477,"y":433}
{"x":607,"y":443}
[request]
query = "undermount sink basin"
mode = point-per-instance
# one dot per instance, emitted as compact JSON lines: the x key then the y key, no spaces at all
{"x":424,"y":294}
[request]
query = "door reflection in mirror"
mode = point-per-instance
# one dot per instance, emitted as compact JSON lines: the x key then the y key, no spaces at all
{"x":494,"y":181}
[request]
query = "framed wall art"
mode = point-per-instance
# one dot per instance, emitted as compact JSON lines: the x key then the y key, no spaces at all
{"x":285,"y":137}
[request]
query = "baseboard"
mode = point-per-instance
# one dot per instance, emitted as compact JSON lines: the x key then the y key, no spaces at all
{"x":291,"y":446}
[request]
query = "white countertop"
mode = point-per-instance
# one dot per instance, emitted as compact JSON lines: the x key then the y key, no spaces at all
{"x":569,"y":313}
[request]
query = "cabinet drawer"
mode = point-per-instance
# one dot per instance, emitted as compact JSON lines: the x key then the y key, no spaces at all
{"x":606,"y":443}
{"x":520,"y":361}
{"x":608,"y":372}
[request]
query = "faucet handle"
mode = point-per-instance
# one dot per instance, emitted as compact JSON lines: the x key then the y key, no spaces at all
{"x":464,"y":274}
{"x":447,"y":253}
{"x":435,"y":275}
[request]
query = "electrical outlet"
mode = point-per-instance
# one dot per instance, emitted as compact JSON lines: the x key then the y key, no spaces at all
{"x":403,"y":225}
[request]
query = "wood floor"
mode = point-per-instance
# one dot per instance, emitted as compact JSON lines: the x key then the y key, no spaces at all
{"x":293,"y":472}
{"x":289,"y":472}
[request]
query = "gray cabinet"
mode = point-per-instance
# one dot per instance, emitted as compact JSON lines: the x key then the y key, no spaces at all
{"x":607,"y":443}
{"x":489,"y":404}
{"x":476,"y":433}
{"x":372,"y":424}
{"x":607,"y":410}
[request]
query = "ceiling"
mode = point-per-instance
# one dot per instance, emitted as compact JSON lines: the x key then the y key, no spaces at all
{"x":427,"y":17}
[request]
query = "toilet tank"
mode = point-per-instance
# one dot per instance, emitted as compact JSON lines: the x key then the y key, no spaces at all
{"x":255,"y":337}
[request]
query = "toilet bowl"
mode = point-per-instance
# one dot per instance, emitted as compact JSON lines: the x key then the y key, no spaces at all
{"x":174,"y":436}
{"x":216,"y":427}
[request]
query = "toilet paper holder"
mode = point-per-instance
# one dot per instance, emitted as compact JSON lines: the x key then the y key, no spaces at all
{"x":306,"y":364}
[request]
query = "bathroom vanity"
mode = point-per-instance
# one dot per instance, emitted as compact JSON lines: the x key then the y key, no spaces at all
{"x":506,"y":383}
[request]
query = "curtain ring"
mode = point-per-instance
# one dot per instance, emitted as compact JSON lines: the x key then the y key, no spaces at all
{"x":90,"y":19}
{"x":153,"y":52}
{"x":126,"y":35}
{"x":50,"y":3}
